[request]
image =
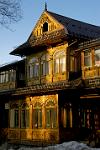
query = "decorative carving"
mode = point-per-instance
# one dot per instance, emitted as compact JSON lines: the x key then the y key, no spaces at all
{"x":26,"y":134}
{"x":14,"y":134}
{"x":47,"y":37}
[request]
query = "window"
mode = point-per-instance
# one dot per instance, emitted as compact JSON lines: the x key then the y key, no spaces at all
{"x":87,"y":118}
{"x":51,"y":115}
{"x":6,"y":76}
{"x":66,"y":115}
{"x":2,"y":77}
{"x":37,"y":115}
{"x":36,"y":69}
{"x":30,"y":71}
{"x":72,"y":63}
{"x":45,"y":65}
{"x":25,"y":116}
{"x":14,"y":116}
{"x":12,"y":75}
{"x":97,"y":57}
{"x":87,"y":59}
{"x":59,"y":62}
{"x":33,"y":68}
{"x":45,"y":27}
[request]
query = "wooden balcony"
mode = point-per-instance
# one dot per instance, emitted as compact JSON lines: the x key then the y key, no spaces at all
{"x":91,"y":76}
{"x":91,"y":72}
{"x":7,"y":86}
{"x":48,"y":38}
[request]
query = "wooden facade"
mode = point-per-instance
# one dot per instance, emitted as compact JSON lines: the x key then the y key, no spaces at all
{"x":55,"y":93}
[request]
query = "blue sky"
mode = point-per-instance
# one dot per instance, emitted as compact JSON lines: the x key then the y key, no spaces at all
{"x":83,"y":10}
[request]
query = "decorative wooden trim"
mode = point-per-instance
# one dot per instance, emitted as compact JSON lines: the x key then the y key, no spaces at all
{"x":46,"y":38}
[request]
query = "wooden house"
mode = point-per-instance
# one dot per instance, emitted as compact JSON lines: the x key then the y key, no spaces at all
{"x":59,"y":99}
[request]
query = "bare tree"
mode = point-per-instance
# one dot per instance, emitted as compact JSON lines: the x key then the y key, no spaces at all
{"x":10,"y":11}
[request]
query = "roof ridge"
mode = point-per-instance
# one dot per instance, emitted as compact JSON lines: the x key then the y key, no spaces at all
{"x":73,"y":19}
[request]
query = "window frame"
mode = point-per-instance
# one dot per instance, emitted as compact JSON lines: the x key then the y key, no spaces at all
{"x":37,"y":116}
{"x":50,"y":115}
{"x":45,"y":27}
{"x":58,"y":56}
{"x":88,"y":58}
{"x":96,"y":50}
{"x":25,"y":110}
{"x":14,"y":117}
{"x":33,"y":67}
{"x":45,"y":64}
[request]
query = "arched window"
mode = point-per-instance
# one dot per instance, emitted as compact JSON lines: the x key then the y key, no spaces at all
{"x":59,"y":62}
{"x":45,"y":64}
{"x":97,"y":57}
{"x":37,"y":115}
{"x":51,"y":114}
{"x":14,"y":116}
{"x":33,"y":67}
{"x":87,"y":58}
{"x":25,"y":116}
{"x":45,"y":27}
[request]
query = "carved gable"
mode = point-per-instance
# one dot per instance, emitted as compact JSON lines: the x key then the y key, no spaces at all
{"x":45,"y":24}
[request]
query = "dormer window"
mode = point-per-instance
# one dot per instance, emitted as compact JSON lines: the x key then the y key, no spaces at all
{"x":45,"y":27}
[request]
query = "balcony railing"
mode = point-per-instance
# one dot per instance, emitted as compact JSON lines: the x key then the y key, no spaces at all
{"x":91,"y":76}
{"x":91,"y":72}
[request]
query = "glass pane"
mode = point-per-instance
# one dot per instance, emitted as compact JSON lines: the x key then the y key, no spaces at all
{"x":47,"y":67}
{"x":36,"y":70}
{"x":97,"y":57}
{"x":35,"y":118}
{"x":12,"y":114}
{"x":27,"y":118}
{"x":43,"y":68}
{"x":47,"y":118}
{"x":23,"y":123}
{"x":16,"y":118}
{"x":56,"y":65}
{"x":7,"y":77}
{"x":12,"y":75}
{"x":53,"y":118}
{"x":39,"y":118}
{"x":72,"y":63}
{"x":87,"y":59}
{"x":62,"y":64}
{"x":30,"y":71}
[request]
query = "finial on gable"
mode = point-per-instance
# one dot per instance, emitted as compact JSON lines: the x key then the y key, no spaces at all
{"x":45,"y":6}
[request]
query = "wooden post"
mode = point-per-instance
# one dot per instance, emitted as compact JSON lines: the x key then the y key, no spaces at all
{"x":70,"y":117}
{"x":82,"y":64}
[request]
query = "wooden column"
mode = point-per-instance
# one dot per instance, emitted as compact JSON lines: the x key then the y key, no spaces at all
{"x":82,"y":64}
{"x":71,"y":117}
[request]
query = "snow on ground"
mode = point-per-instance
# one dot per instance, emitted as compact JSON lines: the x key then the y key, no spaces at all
{"x":73,"y":145}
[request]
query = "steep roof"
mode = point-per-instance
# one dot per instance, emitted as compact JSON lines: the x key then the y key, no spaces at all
{"x":11,"y":65}
{"x":74,"y":28}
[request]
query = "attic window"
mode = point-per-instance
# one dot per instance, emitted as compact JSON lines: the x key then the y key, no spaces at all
{"x":45,"y":27}
{"x":73,"y":25}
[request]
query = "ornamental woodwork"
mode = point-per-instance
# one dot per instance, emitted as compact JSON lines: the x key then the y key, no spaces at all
{"x":52,"y":24}
{"x":35,"y":134}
